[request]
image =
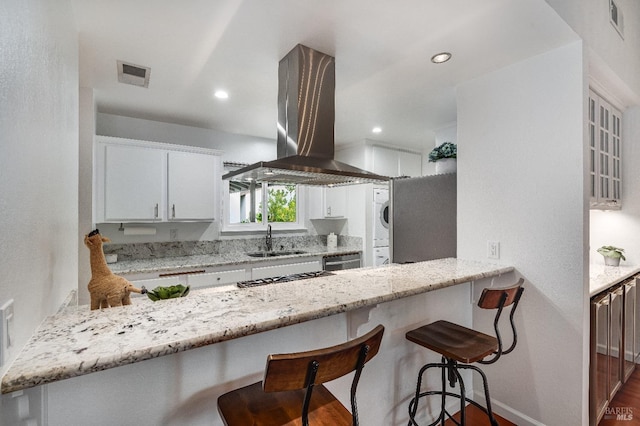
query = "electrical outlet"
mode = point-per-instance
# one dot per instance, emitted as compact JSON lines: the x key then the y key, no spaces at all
{"x":173,"y":234}
{"x":493,"y":249}
{"x":6,"y":331}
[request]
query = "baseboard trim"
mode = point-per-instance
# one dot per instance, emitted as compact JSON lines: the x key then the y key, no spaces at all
{"x":507,"y":412}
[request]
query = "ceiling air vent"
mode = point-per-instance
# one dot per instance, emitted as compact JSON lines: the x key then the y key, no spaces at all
{"x":133,"y":74}
{"x":615,"y":17}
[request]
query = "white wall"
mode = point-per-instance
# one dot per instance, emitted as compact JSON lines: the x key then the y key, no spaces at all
{"x":233,"y":145}
{"x":87,"y":117}
{"x":590,"y":19}
{"x":521,"y":179}
{"x":38,"y":166}
{"x":38,"y":159}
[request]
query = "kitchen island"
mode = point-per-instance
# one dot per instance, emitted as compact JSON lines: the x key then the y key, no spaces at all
{"x":77,"y":341}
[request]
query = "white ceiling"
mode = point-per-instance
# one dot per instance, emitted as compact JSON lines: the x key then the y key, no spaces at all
{"x":384,"y":76}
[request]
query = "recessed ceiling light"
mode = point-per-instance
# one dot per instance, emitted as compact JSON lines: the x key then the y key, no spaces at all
{"x":221,"y":94}
{"x":441,"y":57}
{"x":376,"y":130}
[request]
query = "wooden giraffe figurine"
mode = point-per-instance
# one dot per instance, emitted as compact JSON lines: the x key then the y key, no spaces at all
{"x":106,"y":288}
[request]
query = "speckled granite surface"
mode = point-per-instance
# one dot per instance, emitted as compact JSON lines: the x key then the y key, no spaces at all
{"x":162,"y":257}
{"x":77,"y":341}
{"x":602,"y":277}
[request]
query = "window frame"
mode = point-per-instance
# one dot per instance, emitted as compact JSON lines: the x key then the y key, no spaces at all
{"x":254,"y":227}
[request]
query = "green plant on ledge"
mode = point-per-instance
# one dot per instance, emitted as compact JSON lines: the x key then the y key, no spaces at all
{"x":612,"y":255}
{"x":611,"y":251}
{"x":444,"y":150}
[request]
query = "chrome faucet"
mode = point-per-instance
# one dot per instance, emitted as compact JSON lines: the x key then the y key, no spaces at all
{"x":269,"y":240}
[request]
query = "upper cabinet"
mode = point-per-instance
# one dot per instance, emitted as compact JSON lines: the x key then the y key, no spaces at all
{"x":137,"y":181}
{"x":386,"y":161}
{"x":191,"y":185}
{"x":335,"y":201}
{"x":605,"y":153}
{"x":394,"y":162}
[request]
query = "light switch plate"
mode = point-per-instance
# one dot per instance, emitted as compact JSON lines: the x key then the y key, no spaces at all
{"x":6,"y":331}
{"x":493,"y":249}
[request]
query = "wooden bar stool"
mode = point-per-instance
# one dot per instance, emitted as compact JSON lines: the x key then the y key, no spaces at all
{"x":462,"y":346}
{"x":292,"y":392}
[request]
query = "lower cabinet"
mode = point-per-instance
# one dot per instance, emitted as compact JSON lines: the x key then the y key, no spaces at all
{"x":286,"y":269}
{"x":212,"y":279}
{"x":218,"y":276}
{"x":613,"y":344}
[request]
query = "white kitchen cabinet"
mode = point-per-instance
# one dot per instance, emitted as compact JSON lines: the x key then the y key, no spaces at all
{"x":385,"y":161}
{"x":139,"y":181}
{"x":605,"y":153}
{"x":409,"y":164}
{"x":212,"y":279}
{"x":286,"y":269}
{"x":191,"y":186}
{"x":133,"y":179}
{"x":327,"y":202}
{"x":395,"y":162}
{"x":335,"y":201}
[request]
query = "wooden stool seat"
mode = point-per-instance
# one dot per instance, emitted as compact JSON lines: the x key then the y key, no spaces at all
{"x":252,"y":406}
{"x":454,"y":341}
{"x":461,"y":347}
{"x":292,"y":392}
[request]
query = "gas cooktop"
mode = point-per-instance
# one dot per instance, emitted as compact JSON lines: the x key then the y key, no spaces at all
{"x":283,"y":278}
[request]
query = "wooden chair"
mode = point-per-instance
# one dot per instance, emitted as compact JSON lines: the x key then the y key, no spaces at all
{"x":461,"y":346}
{"x":292,"y":392}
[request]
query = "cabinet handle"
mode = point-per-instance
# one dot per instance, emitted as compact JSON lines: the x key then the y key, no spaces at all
{"x":173,"y":211}
{"x":173,"y":274}
{"x":155,"y":212}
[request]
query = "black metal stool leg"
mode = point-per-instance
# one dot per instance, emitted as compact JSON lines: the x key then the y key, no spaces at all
{"x":413,"y":404}
{"x":450,"y":373}
{"x":488,"y":410}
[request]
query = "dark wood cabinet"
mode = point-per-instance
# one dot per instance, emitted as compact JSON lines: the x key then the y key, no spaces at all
{"x":614,"y":344}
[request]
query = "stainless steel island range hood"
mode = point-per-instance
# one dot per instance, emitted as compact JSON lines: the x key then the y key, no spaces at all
{"x":306,"y":115}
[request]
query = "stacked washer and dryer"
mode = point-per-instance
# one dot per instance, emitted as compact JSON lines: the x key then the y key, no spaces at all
{"x":380,"y":226}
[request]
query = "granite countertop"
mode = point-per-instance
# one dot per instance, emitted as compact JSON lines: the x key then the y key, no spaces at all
{"x":163,"y":264}
{"x":602,"y":277}
{"x":78,"y":341}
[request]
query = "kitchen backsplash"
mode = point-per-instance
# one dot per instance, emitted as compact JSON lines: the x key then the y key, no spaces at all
{"x":190,"y":248}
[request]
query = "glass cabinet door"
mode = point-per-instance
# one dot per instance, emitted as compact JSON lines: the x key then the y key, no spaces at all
{"x":599,"y":373}
{"x":629,"y":328}
{"x":615,"y":341}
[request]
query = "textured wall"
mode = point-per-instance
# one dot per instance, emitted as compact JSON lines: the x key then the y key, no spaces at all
{"x":38,"y":159}
{"x":521,"y":182}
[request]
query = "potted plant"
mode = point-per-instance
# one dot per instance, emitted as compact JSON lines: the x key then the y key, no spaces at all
{"x":612,"y":255}
{"x":444,"y":155}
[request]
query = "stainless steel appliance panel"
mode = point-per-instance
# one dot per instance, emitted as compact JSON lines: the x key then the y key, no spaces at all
{"x":341,"y":261}
{"x":423,"y":218}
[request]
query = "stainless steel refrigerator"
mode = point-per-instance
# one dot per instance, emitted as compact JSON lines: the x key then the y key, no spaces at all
{"x":423,"y":218}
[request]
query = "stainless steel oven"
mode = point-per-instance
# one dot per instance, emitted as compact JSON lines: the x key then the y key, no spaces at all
{"x":337,"y":262}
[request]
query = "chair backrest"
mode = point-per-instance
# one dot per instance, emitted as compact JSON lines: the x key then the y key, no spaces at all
{"x":500,"y":298}
{"x":290,"y":371}
{"x":491,"y":298}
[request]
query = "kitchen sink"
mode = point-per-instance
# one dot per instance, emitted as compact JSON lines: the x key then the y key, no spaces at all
{"x":274,"y":253}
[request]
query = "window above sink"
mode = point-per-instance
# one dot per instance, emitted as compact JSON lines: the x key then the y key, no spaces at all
{"x":250,"y":206}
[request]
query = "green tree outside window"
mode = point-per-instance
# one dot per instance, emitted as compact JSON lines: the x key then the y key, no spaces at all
{"x":281,"y":204}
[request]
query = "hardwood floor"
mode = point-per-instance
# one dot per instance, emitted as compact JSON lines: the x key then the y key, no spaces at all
{"x":626,"y":402}
{"x":477,"y":417}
